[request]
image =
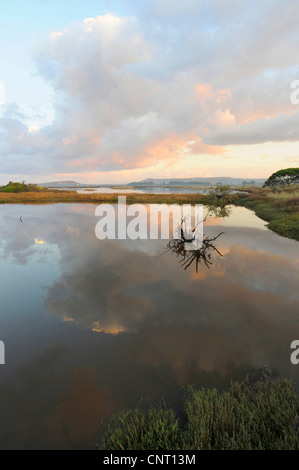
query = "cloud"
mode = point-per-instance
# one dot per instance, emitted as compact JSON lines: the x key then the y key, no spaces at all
{"x":165,"y":82}
{"x":282,"y":128}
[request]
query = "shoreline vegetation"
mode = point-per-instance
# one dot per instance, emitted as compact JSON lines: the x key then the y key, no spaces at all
{"x":259,"y":415}
{"x":280,"y":209}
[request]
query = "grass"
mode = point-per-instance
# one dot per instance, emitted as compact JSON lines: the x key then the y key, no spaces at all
{"x":279,"y":209}
{"x":52,"y":196}
{"x":259,"y":416}
{"x":283,"y":194}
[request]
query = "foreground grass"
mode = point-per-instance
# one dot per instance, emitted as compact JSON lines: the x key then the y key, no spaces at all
{"x":262,"y":416}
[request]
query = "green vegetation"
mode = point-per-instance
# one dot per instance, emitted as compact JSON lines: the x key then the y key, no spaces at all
{"x":153,"y":429}
{"x":221,"y":191}
{"x":220,"y":196}
{"x":283,"y":178}
{"x":263,"y":415}
{"x":219,"y":199}
{"x":58,"y":196}
{"x":279,"y":209}
{"x":14,"y":187}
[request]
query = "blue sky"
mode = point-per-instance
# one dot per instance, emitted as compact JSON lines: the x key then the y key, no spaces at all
{"x":115,"y":91}
{"x":22,"y":23}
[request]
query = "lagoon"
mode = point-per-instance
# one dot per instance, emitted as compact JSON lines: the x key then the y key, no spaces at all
{"x":93,"y":326}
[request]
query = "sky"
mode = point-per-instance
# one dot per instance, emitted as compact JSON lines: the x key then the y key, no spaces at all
{"x":114,"y":91}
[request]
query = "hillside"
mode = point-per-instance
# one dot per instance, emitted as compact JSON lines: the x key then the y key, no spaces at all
{"x":199,"y":181}
{"x":59,"y":184}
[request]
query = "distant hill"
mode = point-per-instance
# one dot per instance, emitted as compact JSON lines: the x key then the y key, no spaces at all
{"x":61,"y":184}
{"x":196,"y":181}
{"x":199,"y":181}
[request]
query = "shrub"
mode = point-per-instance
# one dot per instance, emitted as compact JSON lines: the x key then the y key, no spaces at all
{"x":263,"y":415}
{"x":153,"y":429}
{"x":14,"y":187}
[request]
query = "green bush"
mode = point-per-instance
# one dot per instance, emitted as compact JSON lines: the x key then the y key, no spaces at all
{"x":14,"y":187}
{"x":263,"y":416}
{"x":153,"y":429}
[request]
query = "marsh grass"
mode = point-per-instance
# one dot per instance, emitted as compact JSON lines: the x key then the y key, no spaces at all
{"x":262,"y":415}
{"x":279,"y":208}
{"x":286,"y":194}
{"x":58,"y":196}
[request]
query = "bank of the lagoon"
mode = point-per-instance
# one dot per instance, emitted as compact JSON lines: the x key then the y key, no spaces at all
{"x":280,"y":209}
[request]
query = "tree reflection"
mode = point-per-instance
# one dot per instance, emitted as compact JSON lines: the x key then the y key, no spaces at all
{"x":203,"y":254}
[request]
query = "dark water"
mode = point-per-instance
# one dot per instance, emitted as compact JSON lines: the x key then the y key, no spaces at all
{"x":93,"y":326}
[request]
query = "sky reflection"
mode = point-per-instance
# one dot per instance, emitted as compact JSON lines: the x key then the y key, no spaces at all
{"x":91,"y":326}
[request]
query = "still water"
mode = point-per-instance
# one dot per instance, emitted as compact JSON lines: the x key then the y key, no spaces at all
{"x":93,"y":326}
{"x":146,"y":190}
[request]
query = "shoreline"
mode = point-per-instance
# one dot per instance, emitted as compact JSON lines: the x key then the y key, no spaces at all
{"x":282,"y":215}
{"x":50,"y":197}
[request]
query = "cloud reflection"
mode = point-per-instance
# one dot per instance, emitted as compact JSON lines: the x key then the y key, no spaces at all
{"x":137,"y":325}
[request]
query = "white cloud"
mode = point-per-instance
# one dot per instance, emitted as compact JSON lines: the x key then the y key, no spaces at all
{"x":133,"y":91}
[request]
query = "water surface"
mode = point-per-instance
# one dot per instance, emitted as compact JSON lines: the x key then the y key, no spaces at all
{"x":93,"y":326}
{"x":147,"y":190}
